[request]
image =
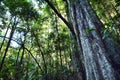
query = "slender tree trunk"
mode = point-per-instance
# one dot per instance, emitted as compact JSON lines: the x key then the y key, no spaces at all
{"x":4,"y":37}
{"x":42,"y":52}
{"x":29,"y":52}
{"x":8,"y":44}
{"x":87,"y":27}
{"x":58,"y":43}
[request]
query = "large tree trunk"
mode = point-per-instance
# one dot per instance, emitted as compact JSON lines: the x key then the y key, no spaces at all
{"x":87,"y":27}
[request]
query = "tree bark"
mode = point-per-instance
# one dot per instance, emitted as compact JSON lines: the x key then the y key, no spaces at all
{"x":87,"y":27}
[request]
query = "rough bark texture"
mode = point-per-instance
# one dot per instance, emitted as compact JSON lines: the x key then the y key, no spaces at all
{"x":87,"y":28}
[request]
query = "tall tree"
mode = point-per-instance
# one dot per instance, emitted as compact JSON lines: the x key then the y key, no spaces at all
{"x":87,"y":28}
{"x":88,"y":32}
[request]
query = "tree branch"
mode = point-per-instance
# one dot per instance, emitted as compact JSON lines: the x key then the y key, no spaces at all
{"x":27,"y":51}
{"x":61,"y":17}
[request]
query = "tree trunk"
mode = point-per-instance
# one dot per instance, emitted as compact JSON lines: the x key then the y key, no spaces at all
{"x":87,"y":27}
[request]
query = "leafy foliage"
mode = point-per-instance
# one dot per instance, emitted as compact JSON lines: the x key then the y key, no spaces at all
{"x":109,"y":13}
{"x":41,"y":45}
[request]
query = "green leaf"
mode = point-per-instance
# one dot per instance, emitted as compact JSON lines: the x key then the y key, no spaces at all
{"x":87,"y":30}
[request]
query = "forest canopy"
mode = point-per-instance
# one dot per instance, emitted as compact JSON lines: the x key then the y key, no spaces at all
{"x":44,"y":40}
